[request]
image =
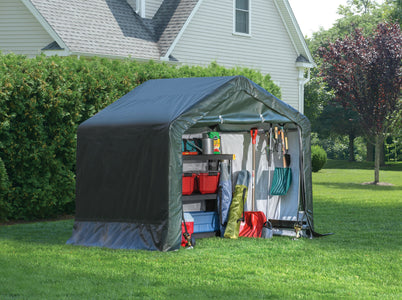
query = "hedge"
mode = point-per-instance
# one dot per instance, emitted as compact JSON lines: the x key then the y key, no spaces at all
{"x":42,"y":102}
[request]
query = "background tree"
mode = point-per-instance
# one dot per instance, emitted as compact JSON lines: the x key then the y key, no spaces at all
{"x":363,"y":14}
{"x":365,"y":73}
{"x":336,"y":121}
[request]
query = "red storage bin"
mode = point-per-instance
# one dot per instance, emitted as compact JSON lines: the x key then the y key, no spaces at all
{"x":188,"y":180}
{"x":208,"y":182}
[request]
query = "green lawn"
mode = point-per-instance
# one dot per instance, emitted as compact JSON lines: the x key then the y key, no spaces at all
{"x":362,"y":260}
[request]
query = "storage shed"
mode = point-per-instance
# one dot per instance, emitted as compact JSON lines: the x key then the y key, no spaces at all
{"x":130,"y":162}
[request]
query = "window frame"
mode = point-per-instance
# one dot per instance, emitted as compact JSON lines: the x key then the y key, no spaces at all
{"x":235,"y":19}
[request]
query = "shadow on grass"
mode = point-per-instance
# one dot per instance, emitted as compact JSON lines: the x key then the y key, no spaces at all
{"x":353,"y":186}
{"x":373,"y":227}
{"x":45,"y":233}
{"x":366,"y":225}
{"x":344,"y":164}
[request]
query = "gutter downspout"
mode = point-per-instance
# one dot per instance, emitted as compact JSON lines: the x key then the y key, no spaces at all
{"x":142,"y":12}
{"x":302,"y":81}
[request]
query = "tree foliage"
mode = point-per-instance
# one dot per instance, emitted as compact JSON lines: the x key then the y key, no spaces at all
{"x":42,"y":102}
{"x":365,"y":73}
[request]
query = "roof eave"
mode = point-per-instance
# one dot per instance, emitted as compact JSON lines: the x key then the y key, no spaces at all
{"x":288,"y":13}
{"x":49,"y":29}
{"x":179,"y":35}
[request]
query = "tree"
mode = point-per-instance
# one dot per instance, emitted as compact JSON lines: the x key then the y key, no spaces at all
{"x":317,"y":94}
{"x":366,"y":75}
{"x":335,"y":120}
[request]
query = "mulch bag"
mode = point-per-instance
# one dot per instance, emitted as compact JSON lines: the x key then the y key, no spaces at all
{"x":236,"y":208}
{"x":224,"y":196}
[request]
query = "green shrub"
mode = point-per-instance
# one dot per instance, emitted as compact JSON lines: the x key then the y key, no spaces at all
{"x":4,"y":186}
{"x":318,"y":158}
{"x":42,"y":102}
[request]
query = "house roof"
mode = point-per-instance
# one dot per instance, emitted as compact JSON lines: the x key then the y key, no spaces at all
{"x":99,"y":27}
{"x":112,"y":28}
{"x":169,"y":20}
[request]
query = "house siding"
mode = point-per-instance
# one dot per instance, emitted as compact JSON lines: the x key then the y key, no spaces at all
{"x":20,"y":32}
{"x":151,"y":7}
{"x":198,"y":46}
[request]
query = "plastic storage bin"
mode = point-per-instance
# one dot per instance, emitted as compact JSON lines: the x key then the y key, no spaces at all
{"x":190,"y":227}
{"x":208,"y":182}
{"x":188,"y":180}
{"x":205,"y":221}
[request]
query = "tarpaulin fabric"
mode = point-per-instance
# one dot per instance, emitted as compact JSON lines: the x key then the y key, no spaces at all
{"x":237,"y":205}
{"x":224,"y":198}
{"x":129,"y":161}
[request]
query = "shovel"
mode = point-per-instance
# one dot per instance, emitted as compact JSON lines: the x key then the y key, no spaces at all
{"x":282,"y":176}
{"x":253,"y":220}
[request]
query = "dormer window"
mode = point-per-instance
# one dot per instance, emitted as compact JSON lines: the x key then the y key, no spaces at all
{"x":242,"y":16}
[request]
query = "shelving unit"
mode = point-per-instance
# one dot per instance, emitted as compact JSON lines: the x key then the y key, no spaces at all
{"x":203,"y":158}
{"x":209,"y":199}
{"x":207,"y":157}
{"x":197,"y":197}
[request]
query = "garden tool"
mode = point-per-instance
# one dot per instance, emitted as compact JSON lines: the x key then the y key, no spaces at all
{"x":253,"y":220}
{"x":282,"y":176}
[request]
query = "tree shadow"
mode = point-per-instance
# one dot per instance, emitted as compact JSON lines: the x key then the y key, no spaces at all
{"x":363,"y":165}
{"x":358,"y":227}
{"x":359,"y":186}
{"x":44,"y":233}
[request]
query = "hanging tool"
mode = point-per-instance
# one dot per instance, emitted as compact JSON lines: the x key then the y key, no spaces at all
{"x":253,"y":133}
{"x":253,"y":220}
{"x":282,"y":176}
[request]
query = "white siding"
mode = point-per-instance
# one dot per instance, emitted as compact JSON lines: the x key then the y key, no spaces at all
{"x":151,"y":7}
{"x":209,"y":37}
{"x":20,"y":32}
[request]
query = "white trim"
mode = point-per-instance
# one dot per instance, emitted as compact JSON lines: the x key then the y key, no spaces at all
{"x":249,"y":20}
{"x":46,"y":25}
{"x":142,"y":9}
{"x":246,"y":35}
{"x":298,"y":30}
{"x":179,"y":35}
{"x":56,"y":52}
{"x":290,"y":16}
{"x":302,"y":81}
{"x":88,"y":54}
{"x":286,"y":26}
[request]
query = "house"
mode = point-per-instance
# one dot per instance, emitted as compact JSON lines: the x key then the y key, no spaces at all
{"x":258,"y":34}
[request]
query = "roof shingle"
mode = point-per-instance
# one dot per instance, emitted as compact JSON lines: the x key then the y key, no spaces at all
{"x":111,"y":27}
{"x":99,"y":27}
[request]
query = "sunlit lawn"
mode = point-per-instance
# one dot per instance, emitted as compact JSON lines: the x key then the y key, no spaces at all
{"x":361,"y":260}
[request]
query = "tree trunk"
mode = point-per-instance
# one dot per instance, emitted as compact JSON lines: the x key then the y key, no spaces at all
{"x":352,"y":147}
{"x":382,"y":155}
{"x":370,"y":152}
{"x":377,"y":158}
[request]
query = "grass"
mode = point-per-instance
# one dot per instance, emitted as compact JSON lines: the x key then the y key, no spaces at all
{"x":361,"y":261}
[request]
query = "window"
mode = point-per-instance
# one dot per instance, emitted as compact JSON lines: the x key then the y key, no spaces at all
{"x":242,"y":16}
